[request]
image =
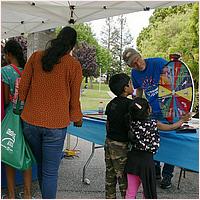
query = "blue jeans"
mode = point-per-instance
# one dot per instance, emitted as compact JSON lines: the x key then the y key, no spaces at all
{"x":46,"y":145}
{"x":167,"y":169}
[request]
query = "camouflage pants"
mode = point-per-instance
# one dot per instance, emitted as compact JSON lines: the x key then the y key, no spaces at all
{"x":115,"y":158}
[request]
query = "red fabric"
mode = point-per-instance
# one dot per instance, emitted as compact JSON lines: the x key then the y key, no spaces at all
{"x":16,"y":69}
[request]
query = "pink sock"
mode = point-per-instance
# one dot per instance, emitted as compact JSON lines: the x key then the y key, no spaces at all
{"x":133,"y":185}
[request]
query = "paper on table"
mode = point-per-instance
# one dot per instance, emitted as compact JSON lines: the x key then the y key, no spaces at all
{"x":194,"y":122}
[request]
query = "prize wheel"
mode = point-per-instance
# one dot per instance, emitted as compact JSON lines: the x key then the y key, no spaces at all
{"x":176,"y":89}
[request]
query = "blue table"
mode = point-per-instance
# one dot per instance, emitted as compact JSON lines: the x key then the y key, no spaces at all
{"x":93,"y":130}
{"x":179,"y":149}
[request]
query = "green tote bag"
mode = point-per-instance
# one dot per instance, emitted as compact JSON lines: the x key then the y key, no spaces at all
{"x":15,"y":151}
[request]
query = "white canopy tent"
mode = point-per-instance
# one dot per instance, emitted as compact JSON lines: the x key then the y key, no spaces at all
{"x":21,"y":17}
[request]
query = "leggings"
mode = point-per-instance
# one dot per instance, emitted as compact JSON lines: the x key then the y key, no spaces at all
{"x":133,"y":185}
{"x":149,"y":187}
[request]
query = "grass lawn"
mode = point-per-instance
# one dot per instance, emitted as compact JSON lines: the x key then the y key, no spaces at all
{"x":103,"y":86}
{"x":90,"y":98}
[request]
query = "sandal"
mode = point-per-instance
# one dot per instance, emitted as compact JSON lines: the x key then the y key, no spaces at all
{"x":4,"y":196}
{"x":21,"y":195}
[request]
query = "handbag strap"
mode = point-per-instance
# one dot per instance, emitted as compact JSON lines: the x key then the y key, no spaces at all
{"x":16,"y":69}
{"x":18,"y":101}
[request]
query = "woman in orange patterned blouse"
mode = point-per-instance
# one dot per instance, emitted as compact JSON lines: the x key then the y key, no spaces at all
{"x":50,"y":86}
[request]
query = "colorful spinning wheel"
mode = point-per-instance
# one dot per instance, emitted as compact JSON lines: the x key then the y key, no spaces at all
{"x":176,"y":89}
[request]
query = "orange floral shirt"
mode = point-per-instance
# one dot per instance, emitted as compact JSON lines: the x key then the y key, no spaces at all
{"x":51,"y":98}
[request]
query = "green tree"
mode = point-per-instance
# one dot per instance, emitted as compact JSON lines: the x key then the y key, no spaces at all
{"x":108,"y":40}
{"x":161,"y":13}
{"x":85,"y":34}
{"x":115,"y":36}
{"x":108,"y":37}
{"x":124,"y":39}
{"x":104,"y":60}
{"x":174,"y":30}
{"x":177,"y":32}
{"x":102,"y":55}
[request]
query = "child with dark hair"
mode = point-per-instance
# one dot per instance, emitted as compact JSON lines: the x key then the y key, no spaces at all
{"x":15,"y":58}
{"x":116,"y":145}
{"x":144,"y":138}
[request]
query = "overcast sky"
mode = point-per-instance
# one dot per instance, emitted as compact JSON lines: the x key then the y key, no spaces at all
{"x":135,"y":21}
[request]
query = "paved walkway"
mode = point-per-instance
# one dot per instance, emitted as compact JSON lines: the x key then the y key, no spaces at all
{"x":70,"y":185}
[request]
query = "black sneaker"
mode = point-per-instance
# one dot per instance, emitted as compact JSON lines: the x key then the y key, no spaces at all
{"x":166,"y":183}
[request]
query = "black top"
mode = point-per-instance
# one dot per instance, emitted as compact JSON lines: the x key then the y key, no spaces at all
{"x":144,"y":135}
{"x":117,"y":119}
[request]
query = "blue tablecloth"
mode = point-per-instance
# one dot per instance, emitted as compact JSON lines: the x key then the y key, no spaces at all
{"x":92,"y":130}
{"x":177,"y":149}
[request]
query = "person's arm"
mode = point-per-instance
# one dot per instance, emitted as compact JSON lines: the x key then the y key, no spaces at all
{"x":139,"y":92}
{"x":6,"y":91}
{"x":137,"y":87}
{"x":169,"y":127}
{"x":26,"y":77}
{"x":75,"y":88}
{"x":6,"y":82}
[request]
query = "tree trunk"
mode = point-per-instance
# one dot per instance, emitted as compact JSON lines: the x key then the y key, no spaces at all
{"x":107,"y":78}
{"x":86,"y":79}
{"x":91,"y":85}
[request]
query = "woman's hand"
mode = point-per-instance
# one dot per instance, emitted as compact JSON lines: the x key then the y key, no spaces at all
{"x":78,"y":123}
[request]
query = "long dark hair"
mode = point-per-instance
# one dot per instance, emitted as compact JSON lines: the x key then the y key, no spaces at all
{"x":63,"y":44}
{"x":16,"y":50}
{"x":139,"y":109}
